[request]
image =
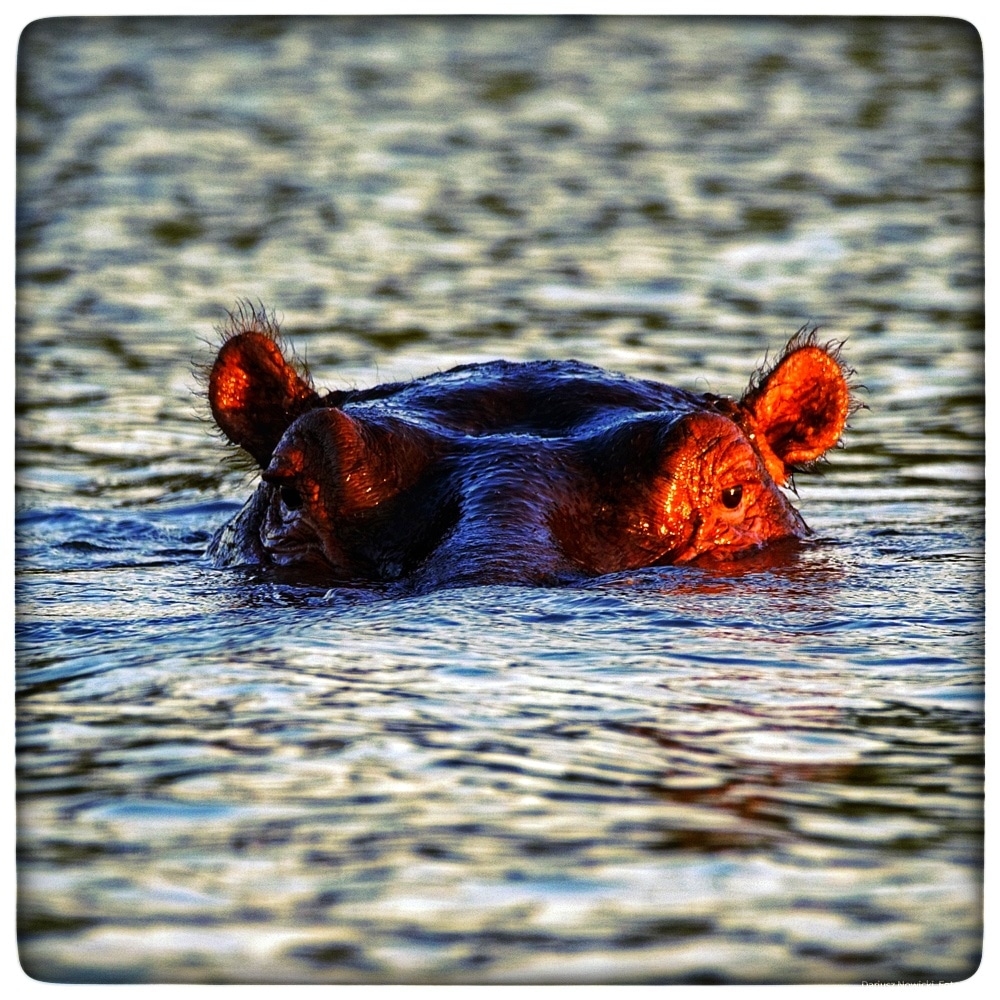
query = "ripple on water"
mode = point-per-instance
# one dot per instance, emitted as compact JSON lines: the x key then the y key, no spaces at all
{"x":766,"y":772}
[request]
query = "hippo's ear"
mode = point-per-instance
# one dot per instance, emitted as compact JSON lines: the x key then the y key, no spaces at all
{"x":254,"y":392}
{"x":801,"y":404}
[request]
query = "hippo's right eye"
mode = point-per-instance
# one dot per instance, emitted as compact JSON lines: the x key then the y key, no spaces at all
{"x":732,"y":497}
{"x":291,"y":497}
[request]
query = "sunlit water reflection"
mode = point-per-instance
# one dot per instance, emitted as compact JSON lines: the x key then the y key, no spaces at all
{"x":768,"y":774}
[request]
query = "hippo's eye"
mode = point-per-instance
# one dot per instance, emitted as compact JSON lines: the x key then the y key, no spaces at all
{"x":732,"y":497}
{"x":291,"y":497}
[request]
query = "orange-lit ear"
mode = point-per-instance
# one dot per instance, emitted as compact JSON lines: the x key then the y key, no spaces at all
{"x":254,"y":392}
{"x":801,"y":405}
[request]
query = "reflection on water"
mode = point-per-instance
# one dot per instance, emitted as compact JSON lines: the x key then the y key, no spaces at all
{"x":771,"y":773}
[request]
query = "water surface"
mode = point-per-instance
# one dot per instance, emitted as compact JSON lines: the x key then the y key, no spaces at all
{"x":766,"y":774}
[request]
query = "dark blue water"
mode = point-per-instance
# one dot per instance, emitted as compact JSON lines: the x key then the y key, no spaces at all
{"x":766,"y":774}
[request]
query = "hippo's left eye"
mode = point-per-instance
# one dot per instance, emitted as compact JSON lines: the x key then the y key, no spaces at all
{"x":732,"y":497}
{"x":291,"y":497}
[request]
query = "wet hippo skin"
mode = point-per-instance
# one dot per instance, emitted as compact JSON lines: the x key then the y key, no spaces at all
{"x":540,"y":472}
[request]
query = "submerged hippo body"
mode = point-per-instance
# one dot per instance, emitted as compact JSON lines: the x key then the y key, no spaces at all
{"x":539,"y":472}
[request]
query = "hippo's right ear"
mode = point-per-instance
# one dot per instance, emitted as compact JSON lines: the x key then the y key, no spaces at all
{"x":255,"y":393}
{"x":800,"y":405}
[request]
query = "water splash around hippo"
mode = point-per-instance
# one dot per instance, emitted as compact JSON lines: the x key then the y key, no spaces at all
{"x":541,"y":472}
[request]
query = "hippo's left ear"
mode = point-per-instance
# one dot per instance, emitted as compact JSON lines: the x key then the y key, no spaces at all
{"x":800,"y":406}
{"x":255,"y":392}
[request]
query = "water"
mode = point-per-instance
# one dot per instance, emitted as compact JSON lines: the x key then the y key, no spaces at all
{"x":770,"y":774}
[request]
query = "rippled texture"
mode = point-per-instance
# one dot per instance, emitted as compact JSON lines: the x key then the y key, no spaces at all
{"x":770,"y":774}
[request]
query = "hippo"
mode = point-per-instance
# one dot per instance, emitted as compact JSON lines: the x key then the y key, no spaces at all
{"x":537,"y":473}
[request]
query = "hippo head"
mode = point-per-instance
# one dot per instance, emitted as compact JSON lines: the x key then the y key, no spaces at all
{"x":500,"y":472}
